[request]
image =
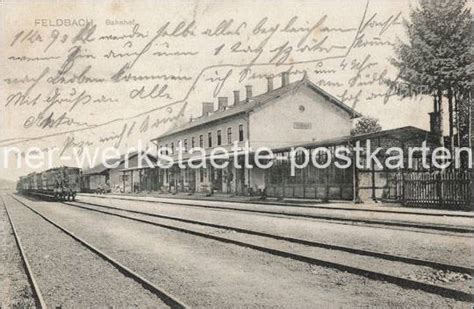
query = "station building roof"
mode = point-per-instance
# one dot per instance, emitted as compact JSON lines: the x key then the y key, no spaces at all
{"x":403,"y":134}
{"x":102,"y":168}
{"x":245,"y":106}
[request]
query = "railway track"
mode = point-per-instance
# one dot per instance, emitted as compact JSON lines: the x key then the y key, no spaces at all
{"x":391,"y":224}
{"x":440,"y":266}
{"x":189,"y":201}
{"x":288,"y":250}
{"x":166,"y":297}
{"x":38,"y":297}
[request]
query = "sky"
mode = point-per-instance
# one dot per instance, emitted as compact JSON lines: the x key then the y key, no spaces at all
{"x":56,"y":65}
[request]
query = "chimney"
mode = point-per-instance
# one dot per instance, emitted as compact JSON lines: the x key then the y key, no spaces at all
{"x":221,"y":103}
{"x":285,"y":79}
{"x":434,"y":123}
{"x":269,"y":83}
{"x":236,"y":97}
{"x":248,"y":90}
{"x":207,"y":108}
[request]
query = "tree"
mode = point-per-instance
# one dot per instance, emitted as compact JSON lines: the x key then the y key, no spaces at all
{"x":437,"y":58}
{"x":366,"y":125}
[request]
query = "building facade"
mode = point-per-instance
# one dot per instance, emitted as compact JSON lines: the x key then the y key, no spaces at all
{"x":294,"y":113}
{"x":110,"y":176}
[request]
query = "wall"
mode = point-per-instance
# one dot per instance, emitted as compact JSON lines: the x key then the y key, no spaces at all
{"x":276,"y":124}
{"x":115,"y":173}
{"x":132,"y":180}
{"x":257,"y":179}
{"x":202,"y":186}
{"x":95,"y":180}
{"x":365,"y":186}
{"x":222,"y":125}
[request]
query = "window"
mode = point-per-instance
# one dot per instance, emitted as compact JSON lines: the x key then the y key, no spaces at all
{"x":209,"y":139}
{"x":229,"y":135}
{"x":172,"y":148}
{"x":201,"y":141}
{"x":185,"y":144}
{"x":241,"y":132}
{"x":219,"y":137}
{"x":192,"y":142}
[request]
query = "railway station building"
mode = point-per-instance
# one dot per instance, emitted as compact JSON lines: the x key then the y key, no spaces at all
{"x":284,"y":116}
{"x":296,"y":115}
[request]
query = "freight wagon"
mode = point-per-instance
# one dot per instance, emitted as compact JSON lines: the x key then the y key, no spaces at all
{"x":61,"y":183}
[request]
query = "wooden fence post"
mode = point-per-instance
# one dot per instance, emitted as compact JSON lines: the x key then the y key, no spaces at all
{"x":439,"y":184}
{"x":403,"y":187}
{"x":355,"y":180}
{"x":471,"y":187}
{"x":326,"y":184}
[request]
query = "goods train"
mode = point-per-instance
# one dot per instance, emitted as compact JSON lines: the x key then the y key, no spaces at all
{"x":61,"y":183}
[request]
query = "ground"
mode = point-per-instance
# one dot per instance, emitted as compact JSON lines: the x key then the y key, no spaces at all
{"x":205,"y":272}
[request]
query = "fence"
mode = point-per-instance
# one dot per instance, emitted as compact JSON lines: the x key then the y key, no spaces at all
{"x":447,"y":189}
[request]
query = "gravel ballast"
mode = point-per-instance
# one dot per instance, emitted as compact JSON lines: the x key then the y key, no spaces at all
{"x":447,"y":249}
{"x":15,"y":289}
{"x":204,"y":272}
{"x":383,"y":266}
{"x":70,"y":275}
